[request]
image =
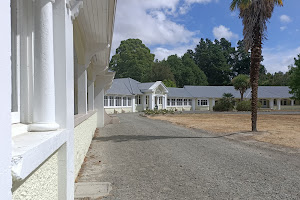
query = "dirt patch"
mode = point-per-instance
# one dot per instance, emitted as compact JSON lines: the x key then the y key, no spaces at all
{"x":276,"y":129}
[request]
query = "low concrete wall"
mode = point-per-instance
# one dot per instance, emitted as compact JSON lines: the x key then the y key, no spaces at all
{"x":202,"y":108}
{"x":184,"y":108}
{"x":118,"y":110}
{"x":83,"y":135}
{"x":42,"y":184}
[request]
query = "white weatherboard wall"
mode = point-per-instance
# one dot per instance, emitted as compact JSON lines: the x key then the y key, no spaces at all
{"x":5,"y":101}
{"x":83,"y":135}
{"x":47,"y":178}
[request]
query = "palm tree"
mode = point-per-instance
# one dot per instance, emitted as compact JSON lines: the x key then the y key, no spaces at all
{"x":255,"y":15}
{"x":241,"y":83}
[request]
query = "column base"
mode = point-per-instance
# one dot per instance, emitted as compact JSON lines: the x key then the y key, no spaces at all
{"x":42,"y":127}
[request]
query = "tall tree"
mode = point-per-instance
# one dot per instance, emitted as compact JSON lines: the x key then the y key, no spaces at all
{"x":241,"y":83}
{"x":132,"y":59}
{"x":161,"y":71}
{"x":255,"y":15}
{"x":212,"y":59}
{"x":241,"y":60}
{"x":295,"y":79}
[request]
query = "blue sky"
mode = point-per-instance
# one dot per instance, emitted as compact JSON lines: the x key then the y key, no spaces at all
{"x":172,"y":26}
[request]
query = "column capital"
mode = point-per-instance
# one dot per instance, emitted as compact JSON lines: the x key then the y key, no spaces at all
{"x":74,"y":6}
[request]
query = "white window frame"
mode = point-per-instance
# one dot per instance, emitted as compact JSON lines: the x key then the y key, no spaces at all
{"x":118,"y":102}
{"x":173,"y":102}
{"x":185,"y":102}
{"x":124,"y":101}
{"x":111,"y":101}
{"x":147,"y":99}
{"x":203,"y":104}
{"x":168,"y":102}
{"x":106,"y":101}
{"x":190,"y":103}
{"x":129,"y":101}
{"x":179,"y":102}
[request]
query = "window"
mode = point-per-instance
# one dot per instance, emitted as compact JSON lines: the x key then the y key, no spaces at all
{"x":139,"y":100}
{"x":124,"y":101}
{"x":118,"y":101}
{"x":190,"y":102}
{"x":185,"y":102}
{"x":204,"y":102}
{"x":284,"y":102}
{"x":275,"y":102}
{"x":168,"y":102}
{"x":111,"y":101}
{"x":160,"y":100}
{"x":179,"y":102}
{"x":129,"y":101}
{"x":147,"y":99}
{"x":173,"y":102}
{"x":105,"y":101}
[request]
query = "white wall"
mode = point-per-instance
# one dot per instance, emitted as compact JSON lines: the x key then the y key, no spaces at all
{"x":5,"y":101}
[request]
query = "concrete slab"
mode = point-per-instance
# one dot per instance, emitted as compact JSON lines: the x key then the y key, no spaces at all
{"x":92,"y":189}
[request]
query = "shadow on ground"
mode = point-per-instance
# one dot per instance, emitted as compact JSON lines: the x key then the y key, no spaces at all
{"x":125,"y":138}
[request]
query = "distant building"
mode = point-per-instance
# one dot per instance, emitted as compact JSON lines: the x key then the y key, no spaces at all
{"x":128,"y":95}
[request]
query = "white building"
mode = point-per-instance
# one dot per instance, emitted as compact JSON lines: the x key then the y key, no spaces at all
{"x":53,"y":53}
{"x":128,"y":95}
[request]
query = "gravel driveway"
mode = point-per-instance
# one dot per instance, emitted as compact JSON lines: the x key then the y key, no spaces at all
{"x":150,"y":159}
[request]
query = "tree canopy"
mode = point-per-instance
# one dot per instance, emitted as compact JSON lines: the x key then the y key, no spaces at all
{"x":294,"y":82}
{"x":132,"y":59}
{"x":241,"y":83}
{"x":211,"y":63}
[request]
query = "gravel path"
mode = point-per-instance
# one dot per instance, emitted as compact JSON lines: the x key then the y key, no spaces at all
{"x":155,"y":160}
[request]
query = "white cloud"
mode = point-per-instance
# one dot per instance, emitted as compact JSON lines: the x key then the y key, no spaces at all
{"x":285,"y":19}
{"x":149,"y":21}
{"x":161,"y":53}
{"x":224,"y":32}
{"x":282,"y":28}
{"x":187,"y":4}
{"x":279,"y":59}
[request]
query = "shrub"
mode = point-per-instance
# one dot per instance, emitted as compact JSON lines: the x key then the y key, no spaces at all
{"x":245,"y":105}
{"x":225,"y":104}
{"x":156,"y":112}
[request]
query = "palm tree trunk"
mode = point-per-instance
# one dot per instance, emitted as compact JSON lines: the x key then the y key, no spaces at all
{"x":254,"y":73}
{"x":242,"y":96}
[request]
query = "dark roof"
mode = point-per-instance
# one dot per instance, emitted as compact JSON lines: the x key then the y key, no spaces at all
{"x":218,"y":91}
{"x":124,"y":86}
{"x":145,"y":86}
{"x":178,"y":92}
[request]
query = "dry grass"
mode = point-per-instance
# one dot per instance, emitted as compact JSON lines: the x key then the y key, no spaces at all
{"x":277,"y":129}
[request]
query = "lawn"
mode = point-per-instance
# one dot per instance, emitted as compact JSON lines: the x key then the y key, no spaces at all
{"x":276,"y":129}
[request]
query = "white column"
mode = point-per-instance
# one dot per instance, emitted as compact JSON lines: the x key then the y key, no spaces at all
{"x":82,"y":89}
{"x":151,"y":102}
{"x":91,"y":86}
{"x":99,"y":105}
{"x":271,"y":103}
{"x":144,"y":101}
{"x":278,"y":104}
{"x":163,"y":102}
{"x":194,"y":104}
{"x":133,"y":103}
{"x":292,"y":102}
{"x":213,"y":102}
{"x":166,"y":100}
{"x":44,"y":92}
{"x":5,"y":106}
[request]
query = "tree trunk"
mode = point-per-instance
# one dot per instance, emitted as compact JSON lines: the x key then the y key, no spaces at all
{"x":242,"y":96}
{"x":254,"y":73}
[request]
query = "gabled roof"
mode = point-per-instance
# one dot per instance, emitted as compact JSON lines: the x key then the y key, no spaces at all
{"x":271,"y":92}
{"x":124,"y":86}
{"x":145,"y":86}
{"x":179,"y":92}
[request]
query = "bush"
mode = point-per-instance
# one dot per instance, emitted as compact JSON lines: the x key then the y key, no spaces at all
{"x":225,"y":104}
{"x":156,"y":112}
{"x":245,"y":105}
